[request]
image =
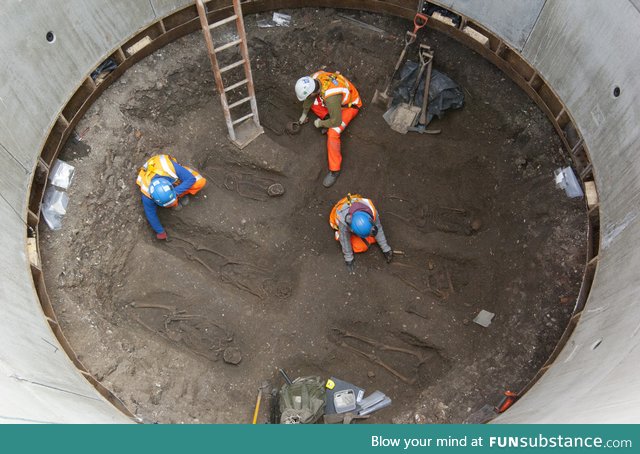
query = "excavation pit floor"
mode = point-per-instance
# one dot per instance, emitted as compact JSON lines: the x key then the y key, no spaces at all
{"x":263,"y":279}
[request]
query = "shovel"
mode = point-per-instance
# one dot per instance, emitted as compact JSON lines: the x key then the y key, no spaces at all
{"x":421,"y":125}
{"x":404,"y":116}
{"x":383,"y":98}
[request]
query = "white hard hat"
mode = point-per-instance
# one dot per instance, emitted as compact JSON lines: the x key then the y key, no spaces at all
{"x":304,"y":87}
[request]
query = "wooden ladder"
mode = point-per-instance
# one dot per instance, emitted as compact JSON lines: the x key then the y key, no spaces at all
{"x":246,"y":128}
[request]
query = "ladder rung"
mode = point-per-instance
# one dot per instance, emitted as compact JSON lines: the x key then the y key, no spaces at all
{"x":242,"y":119}
{"x":237,"y":103}
{"x":228,"y":45}
{"x":239,"y":84}
{"x":223,"y":21}
{"x":232,"y":65}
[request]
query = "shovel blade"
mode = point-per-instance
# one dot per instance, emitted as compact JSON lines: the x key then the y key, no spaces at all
{"x":381,"y":99}
{"x":402,"y":117}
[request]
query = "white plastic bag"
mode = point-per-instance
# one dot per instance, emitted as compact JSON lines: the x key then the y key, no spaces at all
{"x":281,"y":20}
{"x":54,"y":207}
{"x":278,"y":20}
{"x":566,"y":179}
{"x":61,"y":174}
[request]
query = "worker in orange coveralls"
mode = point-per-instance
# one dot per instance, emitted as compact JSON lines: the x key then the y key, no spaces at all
{"x":357,"y":225}
{"x":163,"y":182}
{"x":336,"y":102}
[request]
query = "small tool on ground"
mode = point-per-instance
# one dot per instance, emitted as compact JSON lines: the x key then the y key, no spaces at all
{"x":265,"y":387}
{"x":257,"y":409}
{"x":383,"y":98}
{"x":373,"y":28}
{"x":508,"y":400}
{"x":285,"y":376}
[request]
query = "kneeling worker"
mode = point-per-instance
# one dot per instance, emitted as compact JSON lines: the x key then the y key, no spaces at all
{"x":163,"y":182}
{"x":357,"y":226}
{"x":335,"y":101}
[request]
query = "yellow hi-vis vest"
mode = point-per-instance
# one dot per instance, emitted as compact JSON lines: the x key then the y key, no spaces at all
{"x":161,"y":165}
{"x":332,"y":84}
{"x":334,"y":218}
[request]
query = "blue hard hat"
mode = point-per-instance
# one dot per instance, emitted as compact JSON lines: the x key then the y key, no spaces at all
{"x":361,"y":224}
{"x":162,"y":192}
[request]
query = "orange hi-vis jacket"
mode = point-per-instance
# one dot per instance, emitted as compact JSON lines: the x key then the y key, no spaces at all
{"x":340,"y":210}
{"x":161,"y":165}
{"x":349,"y":243}
{"x":332,"y":84}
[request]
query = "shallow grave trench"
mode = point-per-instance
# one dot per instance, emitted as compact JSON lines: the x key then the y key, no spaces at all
{"x":265,"y":275}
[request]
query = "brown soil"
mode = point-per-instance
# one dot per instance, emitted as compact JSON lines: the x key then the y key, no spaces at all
{"x":264,"y":275}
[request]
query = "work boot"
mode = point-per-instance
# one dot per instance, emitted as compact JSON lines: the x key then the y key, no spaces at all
{"x":182,"y":202}
{"x":330,"y":179}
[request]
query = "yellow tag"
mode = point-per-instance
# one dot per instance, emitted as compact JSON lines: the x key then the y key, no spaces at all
{"x":330,"y":384}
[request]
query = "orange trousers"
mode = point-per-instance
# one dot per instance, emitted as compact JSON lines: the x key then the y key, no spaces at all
{"x":358,"y":244}
{"x":361,"y":245}
{"x":334,"y":154}
{"x":193,"y":190}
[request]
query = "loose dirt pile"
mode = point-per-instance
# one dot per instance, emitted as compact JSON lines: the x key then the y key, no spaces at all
{"x":260,"y":279}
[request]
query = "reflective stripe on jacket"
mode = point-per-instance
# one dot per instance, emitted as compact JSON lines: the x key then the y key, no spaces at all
{"x":332,"y":84}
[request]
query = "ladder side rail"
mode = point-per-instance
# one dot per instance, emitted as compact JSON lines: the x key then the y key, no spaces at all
{"x":244,"y":51}
{"x":215,"y":68}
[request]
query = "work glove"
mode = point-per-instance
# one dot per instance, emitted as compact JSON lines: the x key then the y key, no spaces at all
{"x":303,"y":119}
{"x":161,"y":236}
{"x":316,"y":123}
{"x":388,"y":255}
{"x":351,"y":266}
